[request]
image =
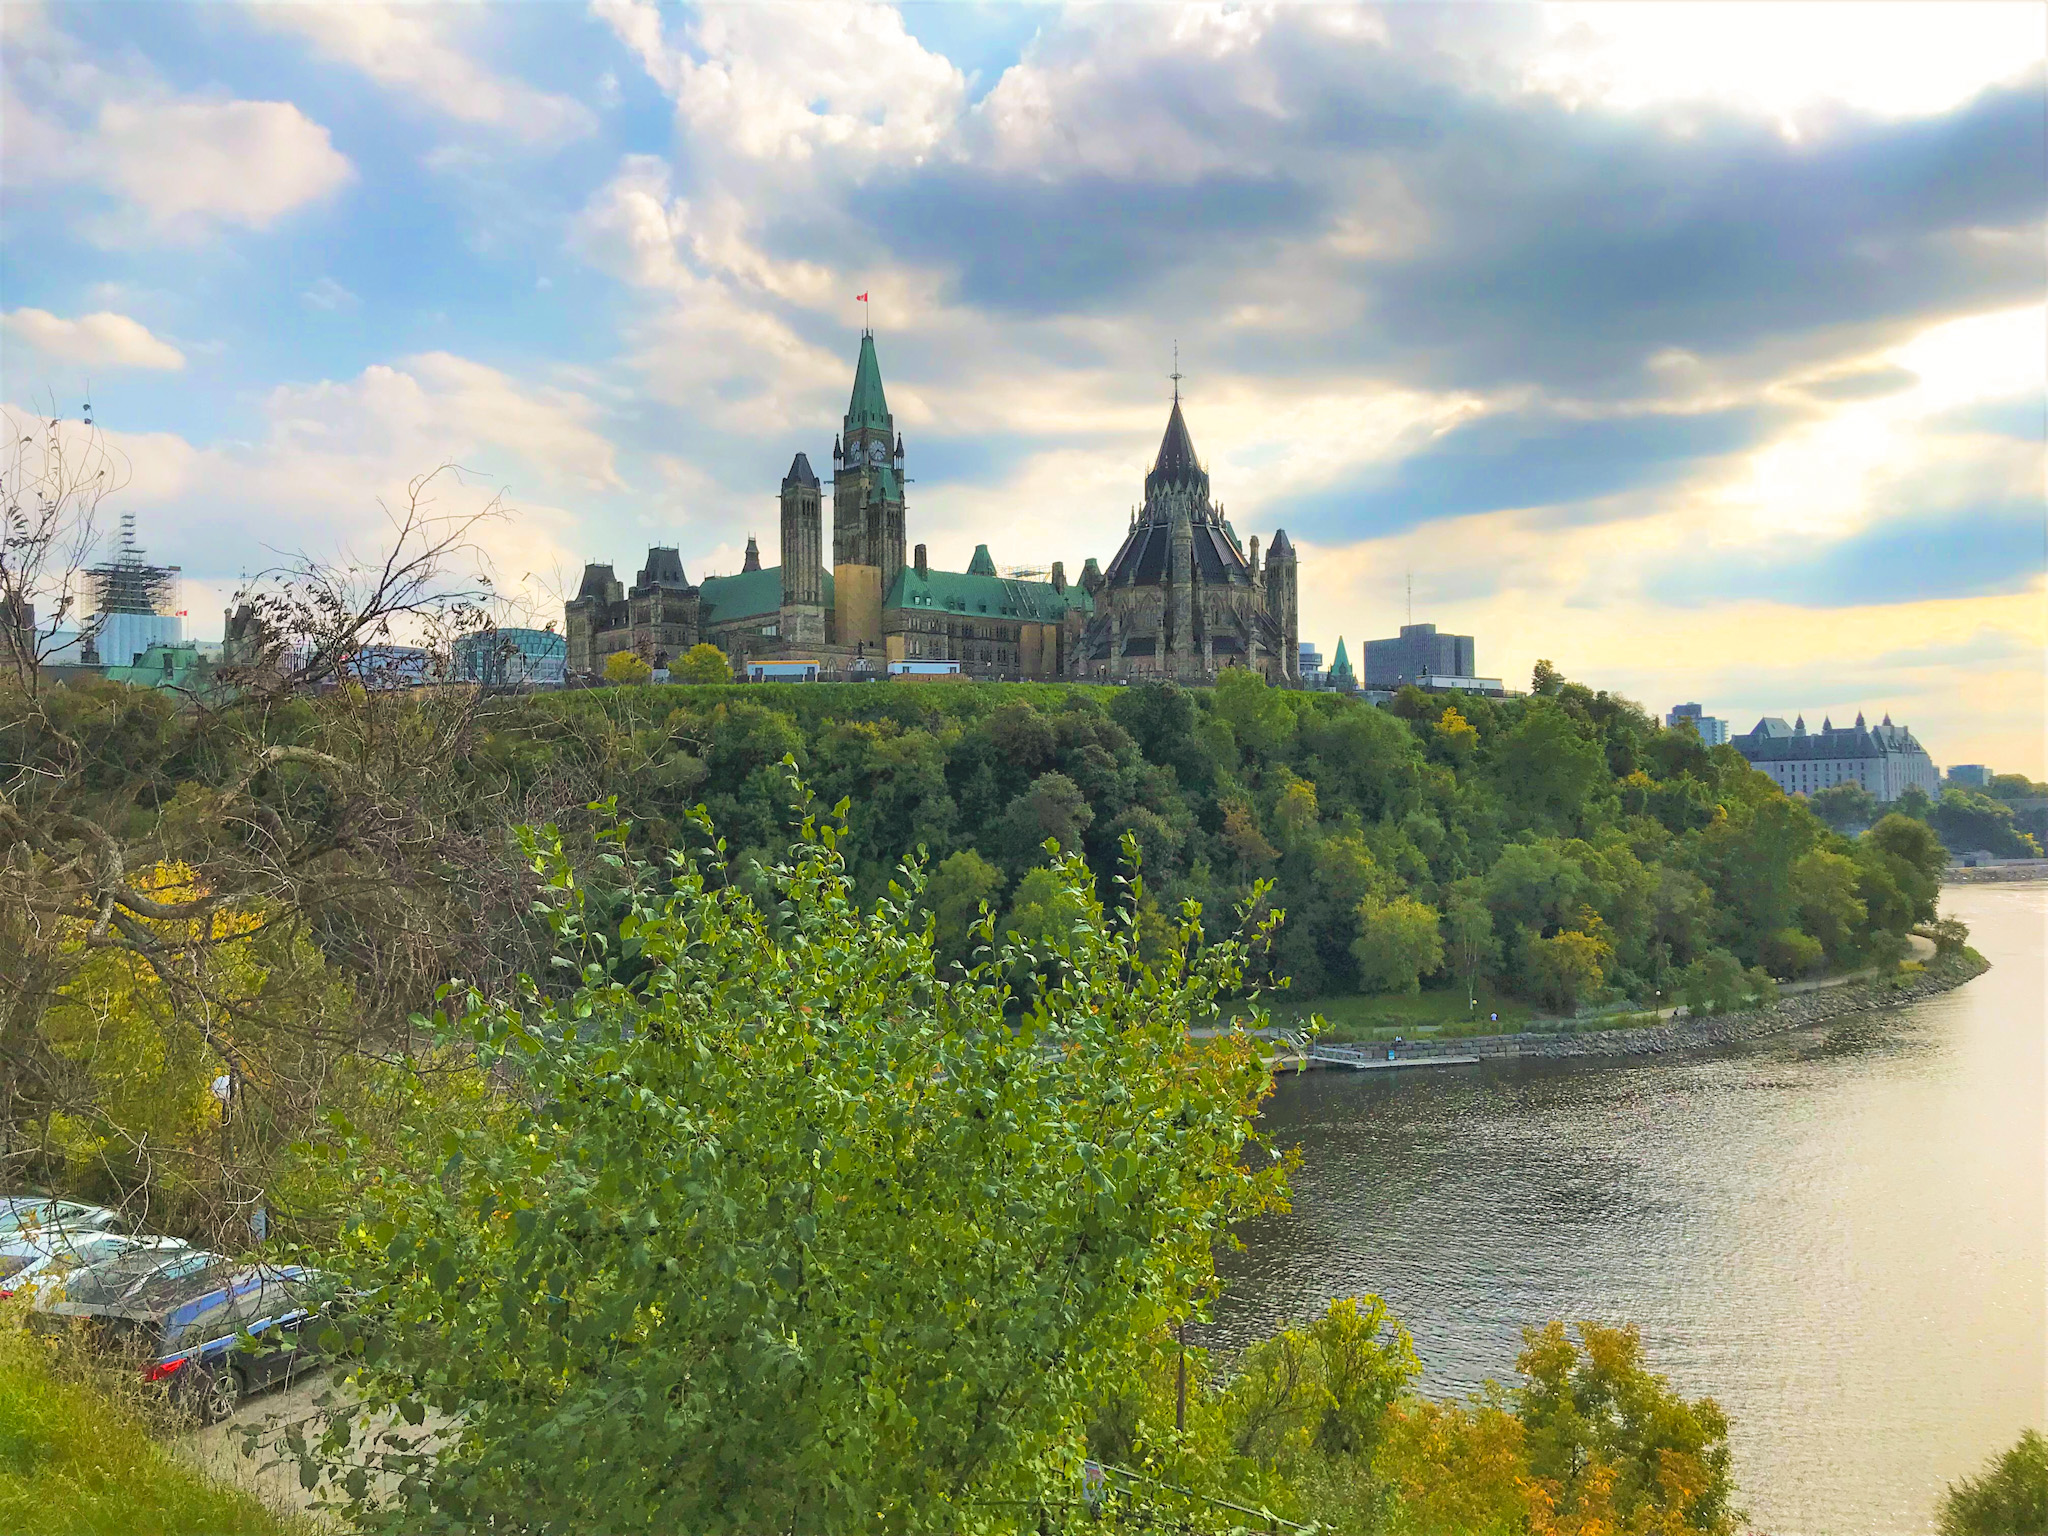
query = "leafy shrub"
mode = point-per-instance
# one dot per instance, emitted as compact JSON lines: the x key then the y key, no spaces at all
{"x":2009,"y":1498}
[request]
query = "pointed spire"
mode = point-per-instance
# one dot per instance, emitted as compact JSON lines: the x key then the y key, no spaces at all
{"x":868,"y":407}
{"x":1176,"y":457}
{"x":1827,"y":723}
{"x":753,"y":560}
{"x":1859,"y":721}
{"x":1799,"y":726}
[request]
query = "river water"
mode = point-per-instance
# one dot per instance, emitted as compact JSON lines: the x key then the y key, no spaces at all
{"x":1837,"y":1233}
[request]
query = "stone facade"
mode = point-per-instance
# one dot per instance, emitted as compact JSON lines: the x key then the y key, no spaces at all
{"x":1183,"y":599}
{"x":1885,"y":759}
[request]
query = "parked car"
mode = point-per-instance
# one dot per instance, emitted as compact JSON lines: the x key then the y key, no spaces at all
{"x":33,"y":1213}
{"x":117,"y":1280}
{"x":187,"y":1329}
{"x":43,"y":1262}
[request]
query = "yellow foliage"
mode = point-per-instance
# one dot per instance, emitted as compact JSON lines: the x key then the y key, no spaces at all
{"x":625,"y":667}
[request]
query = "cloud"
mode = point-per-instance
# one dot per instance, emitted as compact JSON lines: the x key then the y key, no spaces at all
{"x":1980,"y":550}
{"x":806,"y":86}
{"x":176,"y":167}
{"x":329,"y":295}
{"x":1521,"y":460}
{"x":2024,"y":417}
{"x":100,"y":340}
{"x":1862,"y":383}
{"x":410,"y":50}
{"x":440,"y":408}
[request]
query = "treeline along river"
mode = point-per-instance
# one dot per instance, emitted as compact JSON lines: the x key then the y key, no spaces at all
{"x":1837,"y":1232}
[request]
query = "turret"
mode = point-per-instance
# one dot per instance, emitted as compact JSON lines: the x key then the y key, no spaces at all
{"x":803,"y":555}
{"x":1283,"y":602}
{"x":752,"y":560}
{"x":1180,"y":581}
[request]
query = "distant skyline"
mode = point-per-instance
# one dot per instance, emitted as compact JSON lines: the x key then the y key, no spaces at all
{"x":1701,"y":349}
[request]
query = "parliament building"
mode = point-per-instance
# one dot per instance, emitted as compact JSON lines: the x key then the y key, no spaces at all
{"x":1181,"y":599}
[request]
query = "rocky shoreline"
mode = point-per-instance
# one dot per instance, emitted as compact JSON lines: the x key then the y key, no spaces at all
{"x":1798,"y":1011}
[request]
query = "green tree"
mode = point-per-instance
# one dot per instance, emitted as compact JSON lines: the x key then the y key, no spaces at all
{"x":622,"y":667}
{"x":2009,"y":1498}
{"x":1610,"y":1440}
{"x":959,"y":887}
{"x":1547,"y":769}
{"x":1545,"y":680}
{"x":1398,"y":943}
{"x":703,"y":663}
{"x":1712,"y":984}
{"x":1969,"y":822}
{"x":791,"y":1234}
{"x":1468,"y":926}
{"x":1913,"y":856}
{"x":1567,"y":967}
{"x":1053,"y":807}
{"x":1824,"y":887}
{"x":1259,"y":718}
{"x":1845,"y":807}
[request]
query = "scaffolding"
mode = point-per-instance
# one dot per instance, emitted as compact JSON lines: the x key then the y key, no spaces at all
{"x":130,"y":584}
{"x":135,"y":604}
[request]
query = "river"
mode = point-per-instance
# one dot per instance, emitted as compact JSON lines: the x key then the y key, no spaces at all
{"x":1837,"y":1233}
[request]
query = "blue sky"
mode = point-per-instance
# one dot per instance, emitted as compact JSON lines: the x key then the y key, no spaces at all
{"x":1697,"y":348}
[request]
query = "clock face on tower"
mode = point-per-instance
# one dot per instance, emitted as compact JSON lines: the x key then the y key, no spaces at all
{"x":877,"y":452}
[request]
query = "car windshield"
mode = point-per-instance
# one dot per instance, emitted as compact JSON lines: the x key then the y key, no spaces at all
{"x":18,"y":1213}
{"x":138,"y":1272}
{"x":181,"y":1283}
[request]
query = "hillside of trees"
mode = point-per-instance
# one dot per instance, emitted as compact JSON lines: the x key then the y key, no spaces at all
{"x":1564,"y":847}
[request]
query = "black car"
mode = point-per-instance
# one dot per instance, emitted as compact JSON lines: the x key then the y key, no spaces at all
{"x":212,"y":1333}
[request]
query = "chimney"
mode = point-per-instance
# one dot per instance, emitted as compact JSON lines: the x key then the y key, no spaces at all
{"x":1059,"y":575}
{"x":922,"y":568}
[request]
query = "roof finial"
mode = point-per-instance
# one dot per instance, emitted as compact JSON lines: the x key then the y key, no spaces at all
{"x":1176,"y":374}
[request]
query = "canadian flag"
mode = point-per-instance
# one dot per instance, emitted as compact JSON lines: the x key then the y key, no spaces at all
{"x":860,"y":298}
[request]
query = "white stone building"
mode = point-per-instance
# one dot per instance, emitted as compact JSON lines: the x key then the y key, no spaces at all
{"x":1885,"y":759}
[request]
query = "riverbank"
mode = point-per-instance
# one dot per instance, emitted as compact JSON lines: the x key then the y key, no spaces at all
{"x":1792,"y":1010}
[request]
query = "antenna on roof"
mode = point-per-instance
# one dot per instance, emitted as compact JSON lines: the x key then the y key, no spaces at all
{"x":1176,"y":375}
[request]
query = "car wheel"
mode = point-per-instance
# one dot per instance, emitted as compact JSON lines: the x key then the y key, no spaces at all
{"x":222,"y":1394}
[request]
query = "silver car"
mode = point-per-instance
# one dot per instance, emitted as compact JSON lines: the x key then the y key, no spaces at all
{"x":42,"y":1264}
{"x":26,"y":1215}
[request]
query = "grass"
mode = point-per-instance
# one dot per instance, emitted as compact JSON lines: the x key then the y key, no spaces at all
{"x":1422,"y":1016}
{"x":75,"y":1463}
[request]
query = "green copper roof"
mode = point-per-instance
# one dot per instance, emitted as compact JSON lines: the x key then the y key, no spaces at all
{"x":983,"y":563}
{"x":751,"y":594}
{"x":869,"y":407}
{"x":167,"y":666}
{"x":978,"y":596}
{"x":1341,"y":667}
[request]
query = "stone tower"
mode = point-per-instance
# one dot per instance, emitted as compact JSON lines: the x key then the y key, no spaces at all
{"x":1283,"y":602}
{"x":867,"y":481}
{"x":867,"y":508}
{"x":803,"y":555}
{"x":1181,"y":599}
